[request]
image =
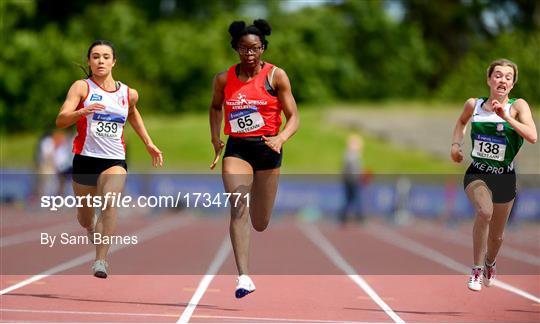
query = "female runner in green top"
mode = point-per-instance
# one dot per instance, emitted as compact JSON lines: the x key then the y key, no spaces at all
{"x":498,"y":126}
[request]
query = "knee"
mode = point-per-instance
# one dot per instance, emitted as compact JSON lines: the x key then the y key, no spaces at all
{"x":260,"y":227}
{"x":484,"y":214}
{"x":85,"y":218}
{"x":259,"y":222}
{"x":239,"y":215}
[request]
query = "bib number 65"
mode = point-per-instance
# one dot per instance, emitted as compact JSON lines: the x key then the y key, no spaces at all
{"x":244,"y":122}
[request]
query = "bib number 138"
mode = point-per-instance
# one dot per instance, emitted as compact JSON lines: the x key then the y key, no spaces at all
{"x":489,"y":147}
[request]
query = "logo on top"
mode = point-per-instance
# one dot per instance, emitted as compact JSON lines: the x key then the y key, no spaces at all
{"x":122,"y":102}
{"x":242,"y":99}
{"x":243,"y":103}
{"x":96,"y":97}
{"x":500,"y":127}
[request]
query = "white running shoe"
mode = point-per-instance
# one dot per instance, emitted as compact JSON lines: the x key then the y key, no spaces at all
{"x":489,"y":274}
{"x":244,"y":286}
{"x":475,"y":280}
{"x":100,"y":268}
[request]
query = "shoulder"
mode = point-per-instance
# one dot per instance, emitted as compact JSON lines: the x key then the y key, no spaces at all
{"x":79,"y":90}
{"x":133,"y":95}
{"x":279,"y":72}
{"x":280,"y":76}
{"x":221,"y":75}
{"x":221,"y":78}
{"x":521,"y":108}
{"x":80,"y":86}
{"x":470,"y":103}
{"x":520,"y":104}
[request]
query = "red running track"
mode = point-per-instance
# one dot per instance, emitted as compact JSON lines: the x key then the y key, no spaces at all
{"x":182,"y":269}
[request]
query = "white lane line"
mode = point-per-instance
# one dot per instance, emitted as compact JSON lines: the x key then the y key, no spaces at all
{"x":459,"y":238}
{"x":405,"y":243}
{"x":214,"y":267}
{"x":272,"y":319}
{"x":67,"y":312}
{"x":19,"y":310}
{"x":31,"y":235}
{"x":154,"y":230}
{"x":333,"y":254}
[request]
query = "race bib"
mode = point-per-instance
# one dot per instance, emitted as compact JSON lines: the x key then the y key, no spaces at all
{"x":489,"y":147}
{"x":245,"y":120}
{"x":107,"y":126}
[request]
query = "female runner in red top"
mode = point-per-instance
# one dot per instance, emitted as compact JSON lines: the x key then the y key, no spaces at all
{"x":251,"y":96}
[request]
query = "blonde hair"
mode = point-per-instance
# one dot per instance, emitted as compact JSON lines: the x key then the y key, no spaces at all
{"x":503,"y":62}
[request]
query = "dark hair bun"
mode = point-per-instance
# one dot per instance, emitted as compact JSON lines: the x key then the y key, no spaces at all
{"x":236,"y":28}
{"x":263,"y":26}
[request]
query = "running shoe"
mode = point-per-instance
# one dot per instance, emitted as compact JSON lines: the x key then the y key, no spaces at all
{"x":100,"y":268}
{"x":244,"y":286}
{"x":489,"y":274}
{"x":475,"y":280}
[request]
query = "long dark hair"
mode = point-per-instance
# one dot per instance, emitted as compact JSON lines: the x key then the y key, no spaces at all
{"x":88,"y":72}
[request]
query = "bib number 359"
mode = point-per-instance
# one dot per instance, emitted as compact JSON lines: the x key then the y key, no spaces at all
{"x":107,"y":126}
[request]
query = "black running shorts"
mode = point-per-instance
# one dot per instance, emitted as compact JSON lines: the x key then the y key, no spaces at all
{"x":254,"y":151}
{"x":502,"y":186}
{"x":86,"y":169}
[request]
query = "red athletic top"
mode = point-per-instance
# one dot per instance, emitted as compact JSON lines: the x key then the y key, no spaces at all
{"x":249,"y":109}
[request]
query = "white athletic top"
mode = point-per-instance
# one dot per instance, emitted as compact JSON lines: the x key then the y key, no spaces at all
{"x":101,"y":134}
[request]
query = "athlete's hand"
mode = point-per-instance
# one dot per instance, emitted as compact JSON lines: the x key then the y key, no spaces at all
{"x":274,"y":142}
{"x":218,"y":147}
{"x":91,"y":109}
{"x":155,"y":153}
{"x":456,"y":153}
{"x":498,"y":109}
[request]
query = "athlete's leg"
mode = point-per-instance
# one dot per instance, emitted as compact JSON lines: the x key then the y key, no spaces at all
{"x":238,"y":178}
{"x":110,"y":182}
{"x":85,"y":214}
{"x":496,"y":229}
{"x":480,"y":197}
{"x":263,"y":195}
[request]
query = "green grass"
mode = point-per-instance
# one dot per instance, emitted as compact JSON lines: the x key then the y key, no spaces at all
{"x":185,"y":140}
{"x":318,"y":147}
{"x":17,"y":151}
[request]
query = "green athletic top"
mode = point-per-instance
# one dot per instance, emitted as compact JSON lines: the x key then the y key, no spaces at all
{"x":494,"y":141}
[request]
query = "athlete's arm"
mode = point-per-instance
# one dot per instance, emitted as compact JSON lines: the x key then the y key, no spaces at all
{"x":216,"y":114}
{"x":288,"y":104}
{"x":524,"y":124}
{"x":136,"y":121}
{"x":69,"y":114}
{"x":459,"y":130}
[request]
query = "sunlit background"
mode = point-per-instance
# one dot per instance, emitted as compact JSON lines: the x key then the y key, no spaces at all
{"x":397,"y":72}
